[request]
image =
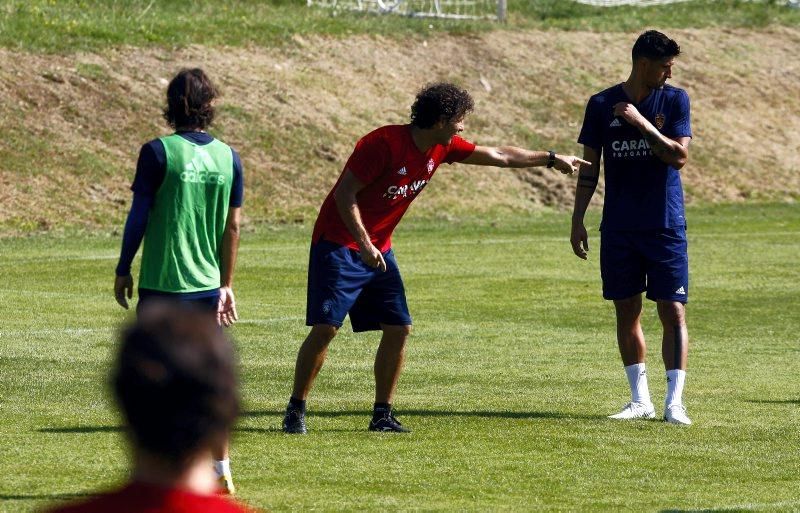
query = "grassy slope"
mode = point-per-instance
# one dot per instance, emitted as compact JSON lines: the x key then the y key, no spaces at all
{"x":81,"y":86}
{"x":510,"y":373}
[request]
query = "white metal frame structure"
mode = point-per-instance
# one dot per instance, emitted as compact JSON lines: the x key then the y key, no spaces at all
{"x":456,"y":9}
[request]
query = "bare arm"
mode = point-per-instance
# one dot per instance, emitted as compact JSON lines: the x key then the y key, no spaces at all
{"x":674,"y":152}
{"x":511,"y":156}
{"x":226,"y":312}
{"x":347,"y":205}
{"x":587,"y":183}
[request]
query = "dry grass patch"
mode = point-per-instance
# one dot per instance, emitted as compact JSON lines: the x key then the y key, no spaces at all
{"x":73,"y":124}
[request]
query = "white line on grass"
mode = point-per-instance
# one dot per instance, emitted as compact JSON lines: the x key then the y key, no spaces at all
{"x":60,"y":258}
{"x":54,"y":331}
{"x":565,"y":239}
{"x":12,"y":260}
{"x":269,"y":321}
{"x":760,"y":505}
{"x":45,"y":293}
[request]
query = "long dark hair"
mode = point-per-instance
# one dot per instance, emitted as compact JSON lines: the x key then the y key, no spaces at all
{"x":189,"y":97}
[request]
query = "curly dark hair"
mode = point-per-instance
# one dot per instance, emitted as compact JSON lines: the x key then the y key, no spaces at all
{"x":189,"y":97}
{"x":437,"y":101}
{"x":655,"y":46}
{"x":175,"y":381}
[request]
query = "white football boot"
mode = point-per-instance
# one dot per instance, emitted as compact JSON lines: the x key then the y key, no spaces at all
{"x":634,"y":410}
{"x":676,"y":414}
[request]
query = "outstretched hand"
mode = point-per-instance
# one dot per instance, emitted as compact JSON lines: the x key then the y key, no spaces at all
{"x":569,"y":164}
{"x":226,"y":309}
{"x":123,"y":290}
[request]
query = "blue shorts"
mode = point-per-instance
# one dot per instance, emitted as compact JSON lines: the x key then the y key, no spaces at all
{"x":655,"y":261}
{"x":205,"y":300}
{"x":339,"y":282}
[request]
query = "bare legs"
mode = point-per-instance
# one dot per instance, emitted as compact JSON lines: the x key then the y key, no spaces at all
{"x":388,"y":360}
{"x":675,"y":341}
{"x":310,"y":358}
{"x":630,"y":338}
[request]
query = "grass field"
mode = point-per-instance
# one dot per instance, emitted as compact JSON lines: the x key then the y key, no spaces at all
{"x":69,"y":25}
{"x":510,"y":373}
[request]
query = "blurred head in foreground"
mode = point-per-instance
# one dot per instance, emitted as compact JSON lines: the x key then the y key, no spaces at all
{"x":175,"y":382}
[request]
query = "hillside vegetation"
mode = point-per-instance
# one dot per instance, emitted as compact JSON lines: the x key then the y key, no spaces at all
{"x":72,"y":121}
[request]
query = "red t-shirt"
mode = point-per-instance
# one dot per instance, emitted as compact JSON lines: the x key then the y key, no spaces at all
{"x":394,"y":171}
{"x":146,"y":498}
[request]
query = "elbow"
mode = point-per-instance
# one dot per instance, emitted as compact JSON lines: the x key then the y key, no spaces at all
{"x":338,"y":195}
{"x":234,"y":229}
{"x":680,"y":162}
{"x":682,"y":158}
{"x":343,"y":198}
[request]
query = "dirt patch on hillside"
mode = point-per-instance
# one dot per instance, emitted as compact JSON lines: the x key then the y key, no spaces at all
{"x":72,"y":125}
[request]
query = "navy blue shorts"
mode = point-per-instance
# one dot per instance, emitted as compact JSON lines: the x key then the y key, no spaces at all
{"x":339,"y":282}
{"x":655,"y":261}
{"x":205,"y":300}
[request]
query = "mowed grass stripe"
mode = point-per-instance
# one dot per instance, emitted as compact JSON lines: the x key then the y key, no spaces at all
{"x":510,"y":373}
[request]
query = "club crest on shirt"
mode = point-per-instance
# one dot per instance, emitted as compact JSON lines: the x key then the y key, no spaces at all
{"x":430,"y":166}
{"x":660,"y":118}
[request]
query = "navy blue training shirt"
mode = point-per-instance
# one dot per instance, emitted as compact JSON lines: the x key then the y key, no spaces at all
{"x":642,"y":191}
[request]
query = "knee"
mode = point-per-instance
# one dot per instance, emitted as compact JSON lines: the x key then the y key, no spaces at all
{"x":397,"y":333}
{"x":322,"y":334}
{"x":672,"y":313}
{"x":628,"y":311}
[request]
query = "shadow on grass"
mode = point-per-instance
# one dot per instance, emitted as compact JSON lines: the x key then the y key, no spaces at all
{"x":774,"y":401}
{"x":438,"y":413}
{"x":711,"y":510}
{"x":279,"y":429}
{"x":45,"y":496}
{"x":348,"y":413}
{"x":83,"y":429}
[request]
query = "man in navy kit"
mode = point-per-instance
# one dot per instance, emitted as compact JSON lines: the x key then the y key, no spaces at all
{"x":642,"y":129}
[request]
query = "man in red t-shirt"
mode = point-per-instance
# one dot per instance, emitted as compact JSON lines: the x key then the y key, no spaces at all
{"x":352,"y":267}
{"x":176,"y":385}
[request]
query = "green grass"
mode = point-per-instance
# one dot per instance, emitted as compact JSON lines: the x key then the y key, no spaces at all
{"x":510,"y":373}
{"x":65,"y":26}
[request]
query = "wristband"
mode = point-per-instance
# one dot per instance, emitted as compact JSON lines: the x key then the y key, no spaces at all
{"x":551,"y":159}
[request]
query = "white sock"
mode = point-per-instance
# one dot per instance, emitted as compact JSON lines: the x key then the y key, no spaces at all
{"x":637,"y":379}
{"x":675,"y":380}
{"x":223,"y":467}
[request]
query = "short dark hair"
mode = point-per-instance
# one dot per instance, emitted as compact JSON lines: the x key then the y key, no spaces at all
{"x":440,"y":100}
{"x":189,"y":97}
{"x":175,"y":382}
{"x":654,"y":45}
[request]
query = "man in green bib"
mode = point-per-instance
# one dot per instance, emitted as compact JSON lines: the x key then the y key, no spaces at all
{"x":187,"y":199}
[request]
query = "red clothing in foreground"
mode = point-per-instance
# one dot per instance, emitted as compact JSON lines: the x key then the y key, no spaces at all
{"x":146,"y":498}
